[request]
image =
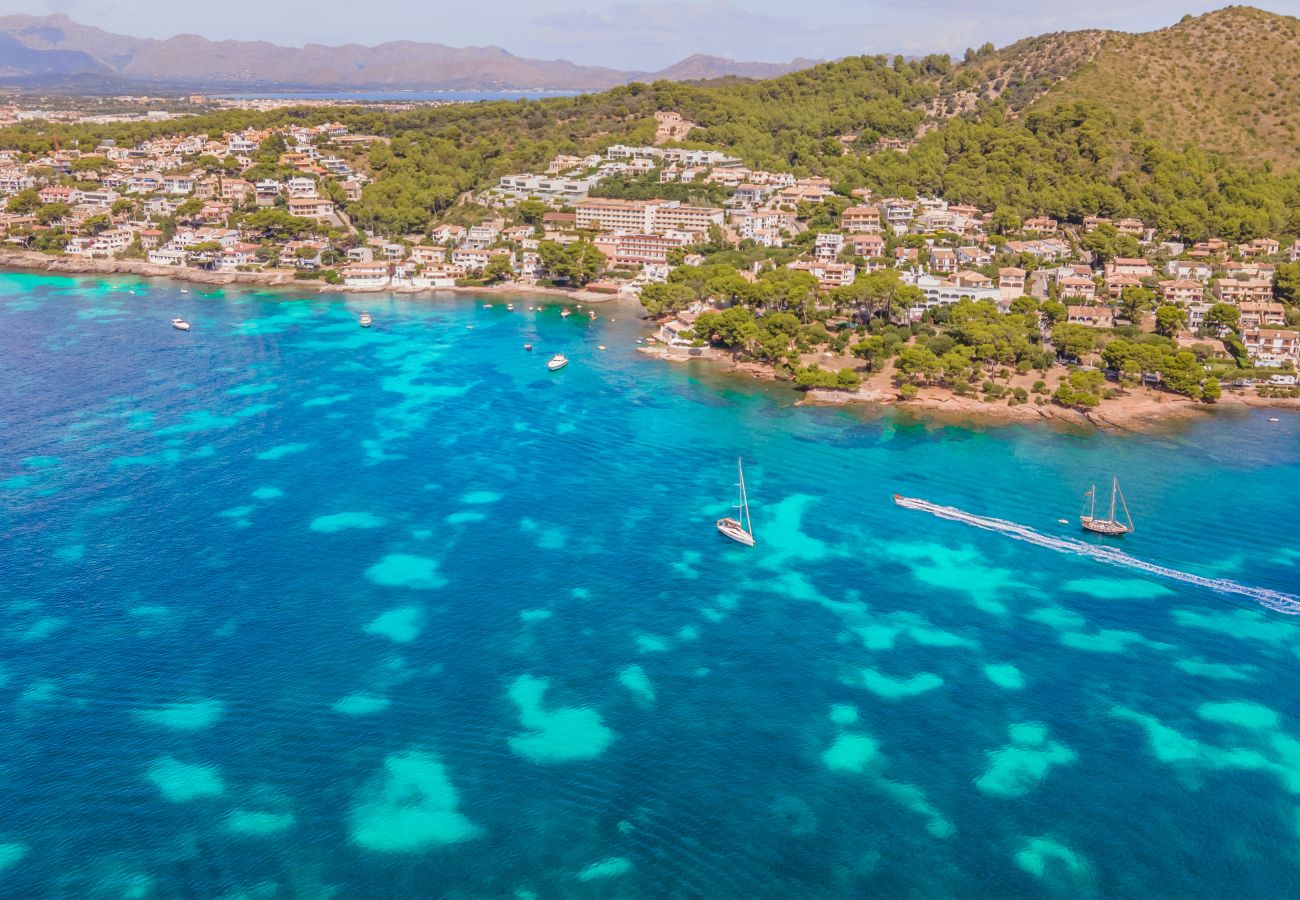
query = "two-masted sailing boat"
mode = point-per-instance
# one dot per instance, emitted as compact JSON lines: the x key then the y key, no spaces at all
{"x":740,"y":530}
{"x":1110,"y":525}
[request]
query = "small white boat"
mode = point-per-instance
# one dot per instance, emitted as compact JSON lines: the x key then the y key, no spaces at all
{"x":1274,"y":419}
{"x":601,"y":347}
{"x":557,"y":362}
{"x":740,"y":530}
{"x":564,"y":313}
{"x":591,"y":314}
{"x":365,"y":320}
{"x":487,"y":305}
{"x":469,"y":327}
{"x":185,"y":290}
{"x":510,"y":306}
{"x":180,"y":324}
{"x":528,"y":346}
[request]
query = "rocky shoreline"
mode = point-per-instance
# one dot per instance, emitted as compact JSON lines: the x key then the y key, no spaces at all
{"x":1136,"y":409}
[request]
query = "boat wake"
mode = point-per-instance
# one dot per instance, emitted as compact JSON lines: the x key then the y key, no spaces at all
{"x":1275,"y":600}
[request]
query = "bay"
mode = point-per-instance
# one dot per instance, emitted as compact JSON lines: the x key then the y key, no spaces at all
{"x":287,"y":604}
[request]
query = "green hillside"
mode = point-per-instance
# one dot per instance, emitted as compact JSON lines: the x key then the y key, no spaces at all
{"x":1039,"y":127}
{"x":1224,"y":81}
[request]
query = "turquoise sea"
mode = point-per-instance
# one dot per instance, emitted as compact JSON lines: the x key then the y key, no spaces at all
{"x":290,"y":608}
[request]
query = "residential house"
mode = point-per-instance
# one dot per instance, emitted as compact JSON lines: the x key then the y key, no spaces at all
{"x":178,"y":184}
{"x":447,"y":234}
{"x":1181,"y":292}
{"x":867,"y":245}
{"x":165,"y":256}
{"x":973,"y":257}
{"x":318,"y":208}
{"x":751,"y":194}
{"x":1247,"y":290}
{"x":1259,"y":247}
{"x":861,"y":220}
{"x":365,"y":275}
{"x":1077,"y":288}
{"x":1011,"y":282}
{"x":470,"y":258}
{"x":943,"y":260}
{"x":828,"y":274}
{"x":1092,"y":316}
{"x":426,"y":255}
{"x":1138,"y":268}
{"x":1115,"y":284}
{"x":1258,"y":315}
{"x":1190,"y":270}
{"x":1272,"y":346}
{"x":972,"y":279}
{"x":828,"y":245}
{"x":941,"y":291}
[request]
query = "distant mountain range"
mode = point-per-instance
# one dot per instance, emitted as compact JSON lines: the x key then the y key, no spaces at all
{"x":52,"y":49}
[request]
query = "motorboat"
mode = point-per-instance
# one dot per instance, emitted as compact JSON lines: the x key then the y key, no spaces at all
{"x":180,"y":324}
{"x":365,"y":320}
{"x":557,"y":362}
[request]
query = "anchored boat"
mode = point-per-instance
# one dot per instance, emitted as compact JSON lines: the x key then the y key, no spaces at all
{"x":365,"y":320}
{"x":180,"y":324}
{"x":557,"y":362}
{"x":740,"y":530}
{"x":1110,"y":525}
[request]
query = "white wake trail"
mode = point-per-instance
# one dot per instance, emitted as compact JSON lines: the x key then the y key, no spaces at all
{"x":1275,"y":600}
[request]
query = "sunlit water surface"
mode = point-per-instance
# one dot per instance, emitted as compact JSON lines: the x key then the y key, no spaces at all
{"x":290,"y":607}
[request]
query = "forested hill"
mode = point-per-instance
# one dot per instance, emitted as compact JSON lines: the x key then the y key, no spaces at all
{"x":1225,"y":81}
{"x":1032,"y":139}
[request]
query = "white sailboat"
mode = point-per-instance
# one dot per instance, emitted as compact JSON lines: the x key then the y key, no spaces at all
{"x":1110,"y":525}
{"x":740,"y":530}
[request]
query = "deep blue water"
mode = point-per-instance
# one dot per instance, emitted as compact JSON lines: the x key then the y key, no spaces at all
{"x":288,"y":606}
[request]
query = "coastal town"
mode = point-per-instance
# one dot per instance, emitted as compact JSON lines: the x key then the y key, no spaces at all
{"x":788,"y":275}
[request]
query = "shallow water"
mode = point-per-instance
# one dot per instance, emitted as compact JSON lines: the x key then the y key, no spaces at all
{"x":289,"y":606}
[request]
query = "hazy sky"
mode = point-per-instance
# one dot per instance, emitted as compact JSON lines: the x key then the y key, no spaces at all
{"x":632,"y":35}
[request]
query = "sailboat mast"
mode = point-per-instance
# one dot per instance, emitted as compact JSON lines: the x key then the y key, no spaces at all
{"x":1124,"y":503}
{"x":744,"y":499}
{"x":1114,"y":489}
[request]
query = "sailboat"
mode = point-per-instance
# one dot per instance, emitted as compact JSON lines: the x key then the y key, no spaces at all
{"x":733,"y":528}
{"x":1110,"y":525}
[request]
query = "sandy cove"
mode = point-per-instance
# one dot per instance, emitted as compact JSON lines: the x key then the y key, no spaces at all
{"x":1134,"y":409}
{"x":35,"y":261}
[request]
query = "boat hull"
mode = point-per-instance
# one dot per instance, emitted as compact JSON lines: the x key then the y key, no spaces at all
{"x":732,"y":529}
{"x":1104,"y":527}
